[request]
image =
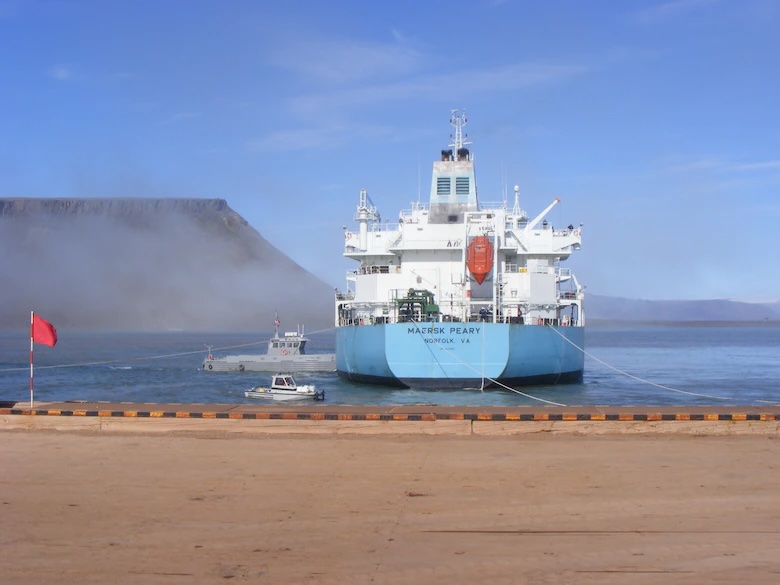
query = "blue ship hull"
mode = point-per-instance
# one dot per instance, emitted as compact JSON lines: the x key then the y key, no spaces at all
{"x":459,"y":355}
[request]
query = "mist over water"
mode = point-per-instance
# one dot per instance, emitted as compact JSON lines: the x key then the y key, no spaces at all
{"x":152,"y":272}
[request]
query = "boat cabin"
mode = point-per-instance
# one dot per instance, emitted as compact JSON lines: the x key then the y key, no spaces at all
{"x":292,"y":343}
{"x":283,"y":381}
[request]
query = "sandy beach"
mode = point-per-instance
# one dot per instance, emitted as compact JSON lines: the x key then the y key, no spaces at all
{"x":81,"y":507}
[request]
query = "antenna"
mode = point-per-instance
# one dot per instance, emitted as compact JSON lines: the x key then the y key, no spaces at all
{"x":458,"y":121}
{"x":418,"y":176}
{"x":503,"y":183}
{"x":516,"y":207}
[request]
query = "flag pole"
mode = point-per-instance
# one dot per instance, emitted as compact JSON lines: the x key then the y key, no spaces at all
{"x":32,"y":321}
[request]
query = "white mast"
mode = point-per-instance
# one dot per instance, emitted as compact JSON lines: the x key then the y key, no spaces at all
{"x":458,"y":121}
{"x":516,"y":206}
{"x":366,"y":212}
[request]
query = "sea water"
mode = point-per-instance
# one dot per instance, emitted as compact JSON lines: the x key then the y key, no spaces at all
{"x":624,"y":365}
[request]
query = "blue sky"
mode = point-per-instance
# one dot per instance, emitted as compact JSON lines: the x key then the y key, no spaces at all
{"x":655,"y":122}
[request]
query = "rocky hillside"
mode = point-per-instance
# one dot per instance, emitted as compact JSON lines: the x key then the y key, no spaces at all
{"x":148,"y":264}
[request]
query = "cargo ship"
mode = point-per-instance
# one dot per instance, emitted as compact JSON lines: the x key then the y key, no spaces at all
{"x":457,"y":293}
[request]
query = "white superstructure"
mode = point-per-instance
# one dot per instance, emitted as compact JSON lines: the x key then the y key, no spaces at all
{"x":428,"y":250}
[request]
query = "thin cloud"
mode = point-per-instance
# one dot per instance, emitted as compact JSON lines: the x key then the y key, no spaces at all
{"x":182,"y":117}
{"x":467,"y":82}
{"x":61,"y":73}
{"x":721,"y":166}
{"x":341,"y":61}
{"x":667,"y":10}
{"x":121,"y":76}
{"x":758,"y":166}
{"x":704,"y":164}
{"x":318,"y":138}
{"x":298,"y":139}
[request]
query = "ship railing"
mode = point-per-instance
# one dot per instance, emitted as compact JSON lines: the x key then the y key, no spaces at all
{"x":384,"y":227}
{"x":564,"y":232}
{"x":541,"y":269}
{"x":416,"y":206}
{"x":414,"y":218}
{"x":514,"y":269}
{"x":534,"y":269}
{"x":507,"y":314}
{"x":429,"y":243}
{"x":563,"y":272}
{"x":490,"y":205}
{"x":379,"y":269}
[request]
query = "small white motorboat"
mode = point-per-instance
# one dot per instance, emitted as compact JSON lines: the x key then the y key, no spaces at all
{"x":283,"y":387}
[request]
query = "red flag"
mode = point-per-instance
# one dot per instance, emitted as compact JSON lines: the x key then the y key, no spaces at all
{"x":43,"y":331}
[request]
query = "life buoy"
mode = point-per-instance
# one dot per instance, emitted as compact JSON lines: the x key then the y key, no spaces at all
{"x":211,"y":367}
{"x":240,"y":367}
{"x":285,"y":352}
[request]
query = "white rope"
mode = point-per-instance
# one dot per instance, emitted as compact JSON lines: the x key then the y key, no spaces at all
{"x":82,"y":364}
{"x":637,"y":378}
{"x":144,"y":358}
{"x":481,"y":375}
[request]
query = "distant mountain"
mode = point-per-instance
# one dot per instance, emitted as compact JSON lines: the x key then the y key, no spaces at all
{"x":620,"y":309}
{"x":195,"y":264}
{"x":149,"y":264}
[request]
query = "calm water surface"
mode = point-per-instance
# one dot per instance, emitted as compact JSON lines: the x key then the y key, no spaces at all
{"x":626,"y":365}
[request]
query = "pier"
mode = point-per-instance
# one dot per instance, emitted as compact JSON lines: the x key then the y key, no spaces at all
{"x":407,"y":419}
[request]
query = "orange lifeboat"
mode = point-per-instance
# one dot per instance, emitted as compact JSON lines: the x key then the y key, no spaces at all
{"x":480,"y":258}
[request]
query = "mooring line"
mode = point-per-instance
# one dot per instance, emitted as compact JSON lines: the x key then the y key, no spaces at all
{"x":145,"y":358}
{"x":122,"y":361}
{"x":637,"y":378}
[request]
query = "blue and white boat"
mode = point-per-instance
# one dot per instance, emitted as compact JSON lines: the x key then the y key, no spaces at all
{"x":459,"y":294}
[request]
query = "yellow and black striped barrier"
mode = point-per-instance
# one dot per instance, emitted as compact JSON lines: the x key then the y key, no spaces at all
{"x":367,"y":414}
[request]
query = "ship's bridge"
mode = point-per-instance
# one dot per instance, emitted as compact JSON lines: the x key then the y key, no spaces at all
{"x":453,"y":187}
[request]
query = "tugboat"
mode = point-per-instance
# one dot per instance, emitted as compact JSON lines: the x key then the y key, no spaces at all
{"x":459,"y":294}
{"x":285,"y":353}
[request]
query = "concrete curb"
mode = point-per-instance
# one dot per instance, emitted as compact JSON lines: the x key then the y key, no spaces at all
{"x":427,"y":420}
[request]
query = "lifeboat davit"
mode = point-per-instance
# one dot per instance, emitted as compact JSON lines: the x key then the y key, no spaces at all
{"x":480,"y":258}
